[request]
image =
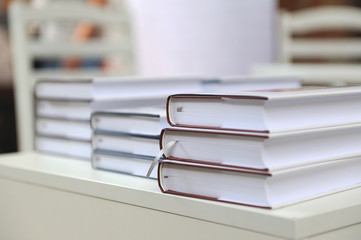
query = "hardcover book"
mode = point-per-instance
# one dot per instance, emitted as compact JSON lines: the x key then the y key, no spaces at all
{"x":266,"y":152}
{"x":125,"y":142}
{"x":75,"y":129}
{"x":257,"y":188}
{"x":251,"y":82}
{"x":102,"y":88}
{"x":266,"y":111}
{"x":138,"y":120}
{"x":64,"y":146}
{"x":76,"y":109}
{"x":132,"y":164}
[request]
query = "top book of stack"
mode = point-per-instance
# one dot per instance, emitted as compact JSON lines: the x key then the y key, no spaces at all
{"x":105,"y":88}
{"x":114,"y":87}
{"x":266,"y":111}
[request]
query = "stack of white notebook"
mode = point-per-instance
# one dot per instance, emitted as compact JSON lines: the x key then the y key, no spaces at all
{"x":64,"y":106}
{"x":127,"y":140}
{"x":264,"y":149}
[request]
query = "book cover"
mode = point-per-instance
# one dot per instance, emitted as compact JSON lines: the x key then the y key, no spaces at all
{"x":74,"y":129}
{"x":138,"y":120}
{"x":266,"y":111}
{"x":265,"y":152}
{"x":133,"y":164}
{"x":67,"y":147}
{"x":253,"y":188}
{"x":126,"y":142}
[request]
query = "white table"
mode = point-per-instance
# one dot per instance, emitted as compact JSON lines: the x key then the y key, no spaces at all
{"x":47,"y":197}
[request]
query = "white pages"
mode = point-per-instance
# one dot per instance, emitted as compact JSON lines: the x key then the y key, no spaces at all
{"x":253,"y":188}
{"x":130,"y":143}
{"x":114,"y":87}
{"x":145,"y":121}
{"x":246,"y":83}
{"x":138,"y":87}
{"x":134,"y":87}
{"x":64,"y":88}
{"x":82,"y":109}
{"x":136,"y":165}
{"x":63,"y":146}
{"x":75,"y":129}
{"x":77,"y":110}
{"x":262,"y":151}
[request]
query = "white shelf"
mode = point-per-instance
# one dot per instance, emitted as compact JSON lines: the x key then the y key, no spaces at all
{"x":298,"y":221}
{"x":314,"y":73}
{"x":74,"y":12}
{"x":83,"y":72}
{"x":326,"y":49}
{"x":114,"y":44}
{"x":90,"y":49}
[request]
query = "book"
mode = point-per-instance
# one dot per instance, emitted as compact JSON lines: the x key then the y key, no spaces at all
{"x":82,"y":109}
{"x":256,"y":188}
{"x":250,"y":82}
{"x":132,"y":164}
{"x":264,"y":152}
{"x":266,"y":111}
{"x":124,"y":142}
{"x":68,"y":109}
{"x":102,"y":88}
{"x":64,"y":146}
{"x":138,"y":120}
{"x":65,"y":128}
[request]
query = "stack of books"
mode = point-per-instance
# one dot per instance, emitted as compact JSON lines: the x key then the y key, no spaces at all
{"x":127,"y":140}
{"x":64,"y":106}
{"x":62,"y":116}
{"x":264,"y":149}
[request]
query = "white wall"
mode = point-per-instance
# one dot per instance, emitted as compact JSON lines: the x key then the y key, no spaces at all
{"x":212,"y":37}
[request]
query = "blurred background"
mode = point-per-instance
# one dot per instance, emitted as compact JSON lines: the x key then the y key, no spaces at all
{"x":159,"y":37}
